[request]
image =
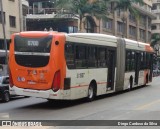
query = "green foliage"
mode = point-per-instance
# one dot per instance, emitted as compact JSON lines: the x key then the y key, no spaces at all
{"x":127,"y":5}
{"x":155,"y":39}
{"x":81,"y":7}
{"x":96,"y":8}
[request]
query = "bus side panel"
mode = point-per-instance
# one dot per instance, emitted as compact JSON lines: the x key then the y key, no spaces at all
{"x":150,"y":49}
{"x":127,"y":80}
{"x":59,"y":58}
{"x":121,"y":45}
{"x":79,"y":86}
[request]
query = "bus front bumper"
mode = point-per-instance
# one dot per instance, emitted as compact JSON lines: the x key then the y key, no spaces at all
{"x":48,"y":94}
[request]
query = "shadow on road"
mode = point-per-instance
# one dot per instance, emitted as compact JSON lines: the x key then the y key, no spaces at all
{"x":60,"y":104}
{"x":14,"y":98}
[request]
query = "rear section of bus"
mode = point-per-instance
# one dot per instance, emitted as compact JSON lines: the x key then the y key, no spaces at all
{"x":36,"y":64}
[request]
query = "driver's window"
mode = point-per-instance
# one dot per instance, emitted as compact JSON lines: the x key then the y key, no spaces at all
{"x":6,"y":81}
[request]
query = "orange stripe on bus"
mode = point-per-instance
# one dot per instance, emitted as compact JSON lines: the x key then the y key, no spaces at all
{"x":79,"y":86}
{"x":148,"y":48}
{"x":87,"y":85}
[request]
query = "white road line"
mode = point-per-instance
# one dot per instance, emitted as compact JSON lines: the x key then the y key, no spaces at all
{"x":4,"y":115}
{"x":142,"y":107}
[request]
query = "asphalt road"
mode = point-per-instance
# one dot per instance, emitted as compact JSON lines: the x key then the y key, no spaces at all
{"x":139,"y":104}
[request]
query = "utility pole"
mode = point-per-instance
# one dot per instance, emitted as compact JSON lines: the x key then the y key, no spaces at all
{"x":4,"y":33}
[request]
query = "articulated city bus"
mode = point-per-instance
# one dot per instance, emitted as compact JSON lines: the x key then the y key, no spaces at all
{"x":64,"y":66}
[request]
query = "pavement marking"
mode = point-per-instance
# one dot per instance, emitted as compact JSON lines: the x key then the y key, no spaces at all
{"x":4,"y":115}
{"x":147,"y":105}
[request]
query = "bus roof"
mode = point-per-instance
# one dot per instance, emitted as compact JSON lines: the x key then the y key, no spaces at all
{"x":136,"y":45}
{"x":36,"y":33}
{"x":95,"y":36}
{"x":90,"y":38}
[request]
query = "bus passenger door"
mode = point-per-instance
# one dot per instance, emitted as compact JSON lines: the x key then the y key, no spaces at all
{"x":111,"y":69}
{"x":151,"y":67}
{"x":137,"y":67}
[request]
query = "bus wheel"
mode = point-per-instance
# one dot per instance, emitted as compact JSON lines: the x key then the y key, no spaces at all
{"x":6,"y":97}
{"x":146,"y":80}
{"x":91,"y":92}
{"x":131,"y":83}
{"x":51,"y":100}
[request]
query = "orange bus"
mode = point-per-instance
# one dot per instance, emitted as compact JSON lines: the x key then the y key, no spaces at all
{"x":64,"y":66}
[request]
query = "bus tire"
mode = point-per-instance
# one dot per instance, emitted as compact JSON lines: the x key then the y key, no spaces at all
{"x":146,"y":80}
{"x":131,"y":83}
{"x":91,"y":92}
{"x":6,"y":96}
{"x":51,"y":100}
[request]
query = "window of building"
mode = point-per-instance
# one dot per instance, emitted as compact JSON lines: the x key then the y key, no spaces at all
{"x":143,"y":20}
{"x":132,"y":31}
{"x":158,"y":6}
{"x":132,"y":18}
{"x":12,"y":20}
{"x":154,"y":27}
{"x":118,"y":12}
{"x":142,"y":34}
{"x":72,"y":29}
{"x":154,"y":7}
{"x":149,"y":36}
{"x":149,"y":23}
{"x":108,"y":24}
{"x":111,"y":7}
{"x":120,"y":27}
{"x":1,"y":17}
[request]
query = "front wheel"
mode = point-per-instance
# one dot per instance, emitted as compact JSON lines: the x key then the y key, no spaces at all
{"x":91,"y":93}
{"x":130,"y":83}
{"x":6,"y":97}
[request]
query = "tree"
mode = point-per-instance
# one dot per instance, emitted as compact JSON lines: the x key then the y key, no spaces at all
{"x":82,"y":8}
{"x":128,"y":5}
{"x":155,"y":39}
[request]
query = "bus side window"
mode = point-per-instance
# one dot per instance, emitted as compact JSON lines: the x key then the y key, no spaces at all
{"x":147,"y":61}
{"x":6,"y":81}
{"x":142,"y":61}
{"x":69,"y":54}
{"x":102,"y":61}
{"x":92,"y":61}
{"x":132,"y":61}
{"x":128,"y":56}
{"x":81,"y":61}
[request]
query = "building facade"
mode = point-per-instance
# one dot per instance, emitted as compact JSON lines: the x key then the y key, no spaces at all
{"x":12,"y":17}
{"x":156,"y":21}
{"x":43,"y":16}
{"x":125,"y":24}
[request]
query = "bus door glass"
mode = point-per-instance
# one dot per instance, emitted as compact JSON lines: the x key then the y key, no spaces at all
{"x":137,"y":67}
{"x":111,"y":69}
{"x":150,"y":66}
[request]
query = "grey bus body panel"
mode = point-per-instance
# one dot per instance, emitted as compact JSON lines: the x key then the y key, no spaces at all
{"x":120,"y":73}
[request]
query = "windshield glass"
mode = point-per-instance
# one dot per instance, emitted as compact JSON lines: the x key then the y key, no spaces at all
{"x":25,"y":44}
{"x":1,"y":79}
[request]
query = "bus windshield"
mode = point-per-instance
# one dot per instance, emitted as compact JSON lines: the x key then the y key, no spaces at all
{"x":25,"y":44}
